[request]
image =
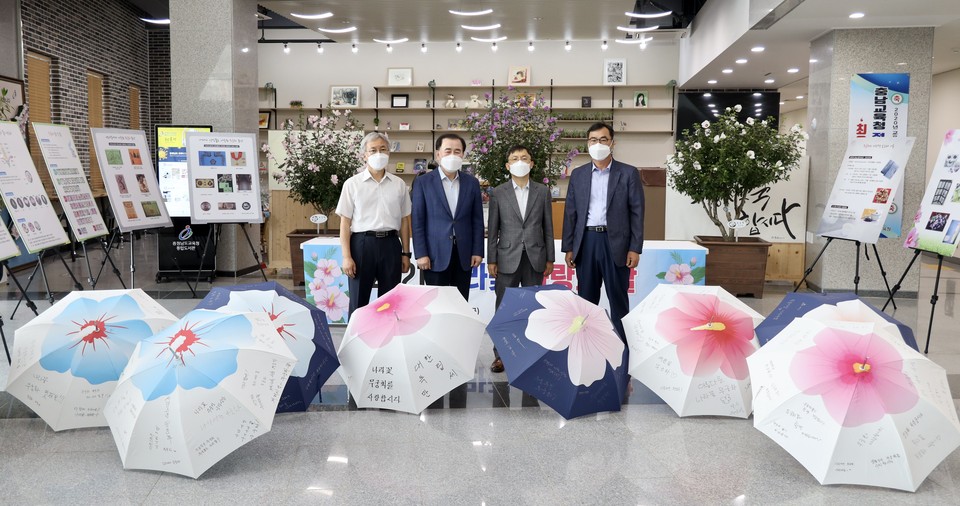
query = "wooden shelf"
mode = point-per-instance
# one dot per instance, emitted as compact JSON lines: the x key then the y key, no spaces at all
{"x":395,"y":130}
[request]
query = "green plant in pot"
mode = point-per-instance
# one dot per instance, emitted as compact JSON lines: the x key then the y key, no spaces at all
{"x":718,"y":164}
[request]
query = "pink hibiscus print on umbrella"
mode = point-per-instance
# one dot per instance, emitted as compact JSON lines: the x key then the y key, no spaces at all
{"x":327,"y":271}
{"x":679,"y":274}
{"x":859,"y":377}
{"x":567,"y":322}
{"x":709,"y":334}
{"x":401,"y":311}
{"x":331,"y":301}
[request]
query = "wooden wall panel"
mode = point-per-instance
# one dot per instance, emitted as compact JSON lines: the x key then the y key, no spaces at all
{"x":95,"y":119}
{"x":38,"y":98}
{"x":285,"y":217}
{"x":785,"y":262}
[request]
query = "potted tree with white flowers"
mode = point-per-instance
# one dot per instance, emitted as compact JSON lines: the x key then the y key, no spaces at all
{"x":718,"y":164}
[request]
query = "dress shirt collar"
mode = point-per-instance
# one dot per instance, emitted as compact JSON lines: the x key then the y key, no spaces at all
{"x":366,"y":175}
{"x":518,"y":187}
{"x":603,"y":170}
{"x":443,"y":175}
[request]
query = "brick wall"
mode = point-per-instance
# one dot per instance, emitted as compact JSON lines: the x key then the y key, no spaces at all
{"x":161,"y":112}
{"x":102,"y":36}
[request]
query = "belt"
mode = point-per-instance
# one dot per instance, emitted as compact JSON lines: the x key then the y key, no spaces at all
{"x":379,"y":234}
{"x":596,"y":229}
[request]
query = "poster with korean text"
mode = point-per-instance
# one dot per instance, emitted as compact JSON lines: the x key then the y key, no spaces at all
{"x":870,"y":174}
{"x":937,"y":222}
{"x":130,"y":179}
{"x":8,"y":247}
{"x":223,"y":177}
{"x":878,"y":110}
{"x":24,"y":196}
{"x":69,"y":180}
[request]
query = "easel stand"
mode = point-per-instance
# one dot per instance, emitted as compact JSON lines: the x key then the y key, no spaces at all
{"x":30,"y":304}
{"x":210,"y":235}
{"x":106,"y":246}
{"x":933,"y":298}
{"x":43,"y":275}
{"x":856,"y":275}
{"x":896,"y":287}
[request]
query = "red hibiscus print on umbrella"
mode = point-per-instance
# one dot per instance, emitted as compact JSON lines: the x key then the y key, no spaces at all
{"x":399,"y":312}
{"x":859,"y":377}
{"x":709,"y":334}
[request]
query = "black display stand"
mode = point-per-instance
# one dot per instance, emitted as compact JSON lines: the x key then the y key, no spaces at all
{"x":856,"y":274}
{"x":178,"y":254}
{"x":106,"y":246}
{"x":30,"y":304}
{"x":215,"y":232}
{"x":933,"y":298}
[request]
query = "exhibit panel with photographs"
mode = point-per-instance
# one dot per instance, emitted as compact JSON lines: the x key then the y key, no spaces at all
{"x":69,"y":180}
{"x":130,"y":179}
{"x":224,"y":183}
{"x":937,"y":222}
{"x":23,"y":194}
{"x":8,"y":247}
{"x":172,"y":167}
{"x":870,"y":174}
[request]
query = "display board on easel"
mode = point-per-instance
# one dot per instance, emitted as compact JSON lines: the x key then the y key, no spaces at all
{"x":8,"y":247}
{"x":937,"y":223}
{"x":870,"y":174}
{"x":130,"y":179}
{"x":24,"y":196}
{"x":69,"y":181}
{"x":223,"y":178}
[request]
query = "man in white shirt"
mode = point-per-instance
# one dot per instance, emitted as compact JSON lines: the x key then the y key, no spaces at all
{"x":519,"y":231}
{"x":374,"y":212}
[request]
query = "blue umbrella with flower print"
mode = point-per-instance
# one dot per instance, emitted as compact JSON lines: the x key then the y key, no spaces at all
{"x":67,"y":360}
{"x":198,"y":390}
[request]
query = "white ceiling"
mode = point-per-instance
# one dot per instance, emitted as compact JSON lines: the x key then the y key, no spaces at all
{"x":787,"y":41}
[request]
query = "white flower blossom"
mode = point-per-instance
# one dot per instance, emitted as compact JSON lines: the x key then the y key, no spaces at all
{"x":706,"y":131}
{"x":716,"y":139}
{"x":795,"y":128}
{"x":705,"y":124}
{"x":743,"y":131}
{"x":696,"y":165}
{"x":751,"y":155}
{"x":727,"y":109}
{"x":696,"y":145}
{"x":737,"y":108}
{"x":680,"y":156}
{"x":779,"y":163}
{"x":723,"y":136}
{"x":764,"y":122}
{"x":750,"y":121}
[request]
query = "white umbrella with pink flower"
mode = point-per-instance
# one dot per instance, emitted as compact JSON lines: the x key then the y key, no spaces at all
{"x":410,"y":347}
{"x":689,"y":345}
{"x":854,"y":404}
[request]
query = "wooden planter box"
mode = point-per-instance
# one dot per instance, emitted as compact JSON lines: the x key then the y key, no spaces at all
{"x":739,"y":267}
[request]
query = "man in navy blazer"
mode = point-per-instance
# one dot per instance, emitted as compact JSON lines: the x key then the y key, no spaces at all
{"x":448,"y":219}
{"x":603,"y":224}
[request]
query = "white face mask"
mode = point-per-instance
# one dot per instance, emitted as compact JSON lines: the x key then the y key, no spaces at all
{"x":520,"y":168}
{"x":599,"y":151}
{"x":378,"y":161}
{"x":451,"y":163}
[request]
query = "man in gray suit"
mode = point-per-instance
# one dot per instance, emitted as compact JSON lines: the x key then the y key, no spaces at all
{"x":519,"y":231}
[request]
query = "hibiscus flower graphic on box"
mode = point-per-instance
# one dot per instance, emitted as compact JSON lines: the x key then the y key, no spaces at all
{"x":682,"y":272}
{"x":326,"y":283}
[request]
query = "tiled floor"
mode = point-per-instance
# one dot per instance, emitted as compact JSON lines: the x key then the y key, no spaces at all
{"x":489,"y":444}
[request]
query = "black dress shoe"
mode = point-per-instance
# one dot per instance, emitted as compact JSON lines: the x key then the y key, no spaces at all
{"x":496,"y":366}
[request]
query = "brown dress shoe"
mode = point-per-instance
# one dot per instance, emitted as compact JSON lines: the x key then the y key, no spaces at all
{"x":497,"y":366}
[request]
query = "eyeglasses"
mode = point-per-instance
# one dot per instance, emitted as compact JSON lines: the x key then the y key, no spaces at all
{"x":594,"y":140}
{"x":373,"y":151}
{"x":519,"y":158}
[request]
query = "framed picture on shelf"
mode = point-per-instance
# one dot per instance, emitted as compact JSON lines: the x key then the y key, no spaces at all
{"x":396,"y":146}
{"x":519,"y":76}
{"x":399,"y":101}
{"x":400,"y":76}
{"x":11,"y":98}
{"x":420,"y":146}
{"x":401,"y":166}
{"x":419,"y":165}
{"x":404,"y":125}
{"x":586,"y":102}
{"x":615,"y":71}
{"x":456,"y":124}
{"x":641,"y":99}
{"x":344,"y":96}
{"x":264,"y":119}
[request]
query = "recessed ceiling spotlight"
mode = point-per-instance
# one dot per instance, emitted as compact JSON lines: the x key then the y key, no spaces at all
{"x":338,"y":30}
{"x":389,"y":48}
{"x":319,"y":48}
{"x":727,"y":71}
{"x":793,"y":70}
{"x":567,"y":46}
{"x":707,"y":95}
{"x":493,"y":47}
{"x":495,"y":39}
{"x":712,"y":81}
{"x":856,"y":15}
{"x":459,"y":47}
{"x":902,"y":63}
{"x":530,"y":47}
{"x":245,"y":50}
{"x":757,"y":94}
{"x":652,"y":15}
{"x":286,"y":48}
{"x":604,"y":46}
{"x":325,"y":15}
{"x":814,"y":60}
{"x":641,"y":40}
{"x":153,"y":21}
{"x":758,"y":104}
{"x":799,"y":97}
{"x":480,"y":28}
{"x":637,"y":30}
{"x":391,"y":41}
{"x":423,"y":48}
{"x":470,"y":13}
{"x":355,"y":49}
{"x":758,"y":114}
{"x":769,"y":81}
{"x":781,"y":103}
{"x":741,"y":61}
{"x":712,"y":106}
{"x":757,"y":49}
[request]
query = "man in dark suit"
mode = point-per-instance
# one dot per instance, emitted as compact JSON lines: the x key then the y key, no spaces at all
{"x":448,"y":219}
{"x":603,"y":224}
{"x":519,"y":231}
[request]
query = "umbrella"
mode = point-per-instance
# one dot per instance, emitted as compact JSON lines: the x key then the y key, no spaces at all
{"x":410,"y":347}
{"x":854,"y":404}
{"x":302,"y":326}
{"x":849,"y":305}
{"x":67,"y":360}
{"x":198,"y":390}
{"x":561,"y":349}
{"x":688,"y":344}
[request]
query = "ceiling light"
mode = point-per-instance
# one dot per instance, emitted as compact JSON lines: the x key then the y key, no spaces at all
{"x":459,"y":47}
{"x":712,"y":106}
{"x":495,"y":39}
{"x":423,"y":48}
{"x":325,"y":15}
{"x":319,"y":48}
{"x":741,"y":61}
{"x":814,"y":60}
{"x":393,"y":41}
{"x":567,"y":46}
{"x":470,"y":13}
{"x":286,"y":48}
{"x":758,"y":114}
{"x":493,"y":47}
{"x":856,"y":15}
{"x":793,"y":70}
{"x":604,"y":46}
{"x":758,"y":105}
{"x":354,"y":49}
{"x":799,"y":97}
{"x":727,"y":71}
{"x":641,"y":40}
{"x":163,"y":21}
{"x":650,"y":15}
{"x":245,"y":50}
{"x":637,"y":30}
{"x":712,"y":81}
{"x":530,"y":47}
{"x":781,"y":103}
{"x":902,"y":63}
{"x":757,"y":49}
{"x":389,"y":48}
{"x":757,"y":94}
{"x":480,"y":28}
{"x":643,"y":45}
{"x":769,"y":81}
{"x":707,"y":95}
{"x":338,"y":30}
